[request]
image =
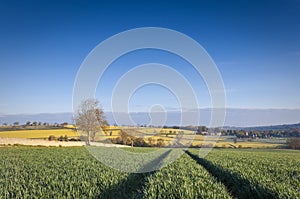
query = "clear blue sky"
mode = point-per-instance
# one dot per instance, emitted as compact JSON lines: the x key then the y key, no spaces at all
{"x":255,"y":44}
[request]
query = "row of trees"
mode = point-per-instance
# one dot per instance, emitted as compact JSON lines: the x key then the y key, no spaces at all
{"x":35,"y":123}
{"x":262,"y":134}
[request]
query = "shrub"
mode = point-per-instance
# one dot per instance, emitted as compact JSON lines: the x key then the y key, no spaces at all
{"x":160,"y":142}
{"x":139,"y":142}
{"x":74,"y":139}
{"x":150,"y":141}
{"x":63,"y":138}
{"x":117,"y":140}
{"x":66,"y":138}
{"x":51,"y":138}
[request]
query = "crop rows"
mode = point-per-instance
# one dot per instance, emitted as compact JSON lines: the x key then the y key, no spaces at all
{"x":184,"y":178}
{"x":54,"y":173}
{"x":256,"y":174}
{"x":33,"y":172}
{"x":40,"y":172}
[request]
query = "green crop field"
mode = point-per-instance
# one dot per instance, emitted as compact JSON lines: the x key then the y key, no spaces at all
{"x":255,"y":173}
{"x":49,"y":172}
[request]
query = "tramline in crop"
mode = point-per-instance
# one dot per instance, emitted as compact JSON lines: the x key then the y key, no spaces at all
{"x":256,"y":173}
{"x":41,"y":172}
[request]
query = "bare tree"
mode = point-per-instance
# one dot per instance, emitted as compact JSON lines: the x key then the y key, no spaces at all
{"x":89,"y":117}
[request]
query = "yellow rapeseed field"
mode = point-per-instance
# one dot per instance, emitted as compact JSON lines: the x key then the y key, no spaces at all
{"x":38,"y":133}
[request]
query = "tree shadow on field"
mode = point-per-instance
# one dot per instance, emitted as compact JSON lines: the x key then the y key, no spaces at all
{"x":236,"y":185}
{"x":132,"y":186}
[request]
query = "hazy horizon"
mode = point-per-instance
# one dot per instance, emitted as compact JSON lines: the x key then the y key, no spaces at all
{"x":234,"y":117}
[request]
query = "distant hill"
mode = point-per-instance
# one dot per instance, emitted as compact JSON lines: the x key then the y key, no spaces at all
{"x":241,"y":118}
{"x":42,"y":117}
{"x":275,"y":127}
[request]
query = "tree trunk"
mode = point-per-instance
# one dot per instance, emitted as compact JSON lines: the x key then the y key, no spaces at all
{"x":88,"y":140}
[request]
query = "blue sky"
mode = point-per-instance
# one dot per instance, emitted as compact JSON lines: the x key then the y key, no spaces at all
{"x":255,"y":45}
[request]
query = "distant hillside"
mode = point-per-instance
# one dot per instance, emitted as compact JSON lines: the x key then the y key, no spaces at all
{"x":242,"y":118}
{"x":275,"y":128}
{"x":43,"y":117}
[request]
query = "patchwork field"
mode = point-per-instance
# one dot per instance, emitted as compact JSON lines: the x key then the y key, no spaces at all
{"x":167,"y":135}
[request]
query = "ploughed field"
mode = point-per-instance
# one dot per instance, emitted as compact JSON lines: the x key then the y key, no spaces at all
{"x":58,"y":172}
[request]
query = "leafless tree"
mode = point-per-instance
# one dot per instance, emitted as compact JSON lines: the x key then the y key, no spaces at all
{"x":89,"y":117}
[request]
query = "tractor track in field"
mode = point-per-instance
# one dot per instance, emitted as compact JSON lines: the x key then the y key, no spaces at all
{"x":237,"y":186}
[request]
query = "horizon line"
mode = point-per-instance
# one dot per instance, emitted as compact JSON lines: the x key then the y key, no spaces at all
{"x":178,"y":110}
